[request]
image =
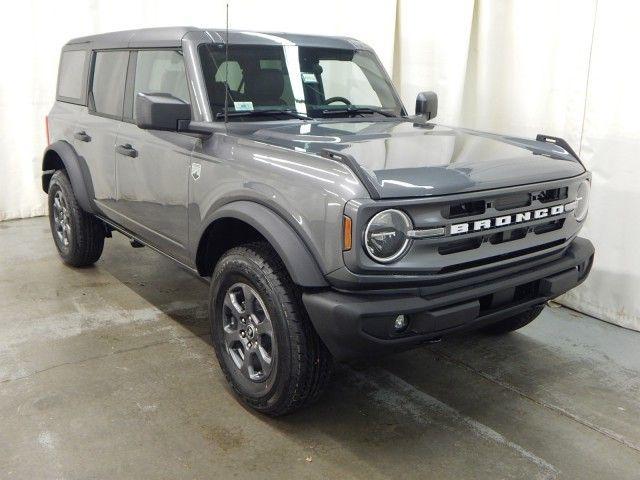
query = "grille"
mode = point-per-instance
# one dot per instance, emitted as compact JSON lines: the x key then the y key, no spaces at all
{"x":500,"y":205}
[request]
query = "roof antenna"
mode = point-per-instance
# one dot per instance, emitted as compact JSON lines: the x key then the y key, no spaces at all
{"x":226,"y":69}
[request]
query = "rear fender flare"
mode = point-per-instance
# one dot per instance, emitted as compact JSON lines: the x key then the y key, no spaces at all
{"x":76,"y":169}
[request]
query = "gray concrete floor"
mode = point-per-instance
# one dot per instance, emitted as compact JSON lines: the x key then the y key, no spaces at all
{"x":107,"y":372}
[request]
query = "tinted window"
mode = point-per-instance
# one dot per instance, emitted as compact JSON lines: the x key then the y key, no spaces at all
{"x":161,"y":71}
{"x":318,"y":82}
{"x":109,"y":75}
{"x":71,"y":74}
{"x":234,"y":75}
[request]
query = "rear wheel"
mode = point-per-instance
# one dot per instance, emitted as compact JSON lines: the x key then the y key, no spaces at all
{"x":514,"y":323}
{"x":78,"y":235}
{"x":265,"y":343}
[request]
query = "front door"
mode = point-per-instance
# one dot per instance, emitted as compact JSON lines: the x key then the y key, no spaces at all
{"x":152,"y":167}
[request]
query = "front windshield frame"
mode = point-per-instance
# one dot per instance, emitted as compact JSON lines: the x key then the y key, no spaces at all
{"x":298,"y":66}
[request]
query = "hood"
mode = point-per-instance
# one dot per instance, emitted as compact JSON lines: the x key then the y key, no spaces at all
{"x":406,"y":159}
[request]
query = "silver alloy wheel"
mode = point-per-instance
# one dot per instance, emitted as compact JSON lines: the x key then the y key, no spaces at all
{"x":61,"y":219}
{"x":248,"y":332}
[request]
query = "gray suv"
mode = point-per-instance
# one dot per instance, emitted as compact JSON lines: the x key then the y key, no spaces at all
{"x":330,"y":223}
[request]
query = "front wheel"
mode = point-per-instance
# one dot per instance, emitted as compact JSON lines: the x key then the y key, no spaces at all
{"x":514,"y":323}
{"x":266,"y":346}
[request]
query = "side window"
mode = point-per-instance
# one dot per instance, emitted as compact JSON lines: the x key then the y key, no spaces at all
{"x":107,"y":86}
{"x":161,"y":71}
{"x":71,"y":75}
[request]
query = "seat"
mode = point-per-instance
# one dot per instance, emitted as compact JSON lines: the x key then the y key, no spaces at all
{"x":264,"y":87}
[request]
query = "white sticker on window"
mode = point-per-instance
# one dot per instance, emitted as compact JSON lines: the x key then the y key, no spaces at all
{"x":243,"y":106}
{"x":309,"y":77}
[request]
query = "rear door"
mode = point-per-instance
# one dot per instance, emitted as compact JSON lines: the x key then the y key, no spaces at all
{"x":97,"y":126}
{"x":152,"y":167}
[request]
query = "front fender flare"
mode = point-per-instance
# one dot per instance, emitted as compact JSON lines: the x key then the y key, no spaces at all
{"x":301,"y":265}
{"x":77,"y":172}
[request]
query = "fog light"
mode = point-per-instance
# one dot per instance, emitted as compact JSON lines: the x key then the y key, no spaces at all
{"x":400,"y":323}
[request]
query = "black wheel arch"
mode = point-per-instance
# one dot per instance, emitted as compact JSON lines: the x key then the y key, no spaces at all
{"x":61,"y":155}
{"x":245,"y":221}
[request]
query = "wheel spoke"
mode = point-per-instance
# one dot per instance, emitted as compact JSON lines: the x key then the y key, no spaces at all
{"x":264,"y":357}
{"x":249,"y":299}
{"x":66,"y":229}
{"x":246,"y":364}
{"x":264,"y":328}
{"x":230,"y":301}
{"x":231,"y":336}
{"x":248,"y":332}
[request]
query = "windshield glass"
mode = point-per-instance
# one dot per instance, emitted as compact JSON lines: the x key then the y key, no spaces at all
{"x":312,"y":81}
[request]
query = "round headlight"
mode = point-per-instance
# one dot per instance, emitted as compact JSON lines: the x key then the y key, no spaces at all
{"x":386,"y":238}
{"x":582,"y":201}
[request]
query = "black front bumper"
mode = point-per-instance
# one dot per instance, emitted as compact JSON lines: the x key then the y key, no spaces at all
{"x":360,"y":324}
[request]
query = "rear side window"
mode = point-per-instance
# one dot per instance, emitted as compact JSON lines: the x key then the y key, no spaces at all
{"x":161,"y":71}
{"x":107,"y":85}
{"x":71,"y":75}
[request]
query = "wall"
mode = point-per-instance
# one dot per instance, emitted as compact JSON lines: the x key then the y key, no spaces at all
{"x":563,"y":67}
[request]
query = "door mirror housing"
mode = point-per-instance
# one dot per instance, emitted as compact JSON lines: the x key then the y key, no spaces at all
{"x":162,"y":111}
{"x":427,"y":104}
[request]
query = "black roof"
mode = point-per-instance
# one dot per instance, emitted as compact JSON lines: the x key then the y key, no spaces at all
{"x":172,"y":36}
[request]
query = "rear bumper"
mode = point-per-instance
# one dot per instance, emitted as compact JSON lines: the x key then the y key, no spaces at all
{"x":361,"y":324}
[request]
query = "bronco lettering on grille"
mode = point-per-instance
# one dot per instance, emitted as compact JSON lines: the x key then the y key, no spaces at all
{"x":502,"y":221}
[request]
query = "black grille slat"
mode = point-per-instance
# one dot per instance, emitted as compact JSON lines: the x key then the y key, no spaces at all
{"x":549,"y":226}
{"x":553,"y":195}
{"x":465,"y":209}
{"x":460,"y":246}
{"x":508,"y":235}
{"x":509,"y":202}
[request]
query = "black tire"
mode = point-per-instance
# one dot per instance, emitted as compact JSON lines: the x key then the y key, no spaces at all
{"x":514,"y":323}
{"x":78,"y":235}
{"x":300,"y":365}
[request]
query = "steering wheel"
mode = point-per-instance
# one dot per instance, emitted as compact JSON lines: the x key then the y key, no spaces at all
{"x":337,"y":99}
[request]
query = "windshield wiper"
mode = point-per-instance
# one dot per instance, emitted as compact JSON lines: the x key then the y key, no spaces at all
{"x":266,"y":113}
{"x":356,"y":111}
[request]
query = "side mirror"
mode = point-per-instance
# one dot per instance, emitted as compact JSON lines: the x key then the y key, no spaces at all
{"x":161,"y":111}
{"x":427,"y":104}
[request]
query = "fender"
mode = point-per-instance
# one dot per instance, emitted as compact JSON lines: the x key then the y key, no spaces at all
{"x":301,"y":265}
{"x":76,"y":170}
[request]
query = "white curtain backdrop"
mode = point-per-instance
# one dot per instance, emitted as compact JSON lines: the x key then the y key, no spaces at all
{"x":562,"y":67}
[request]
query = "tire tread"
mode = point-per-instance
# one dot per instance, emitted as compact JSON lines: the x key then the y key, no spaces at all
{"x":312,"y":366}
{"x":89,"y":232}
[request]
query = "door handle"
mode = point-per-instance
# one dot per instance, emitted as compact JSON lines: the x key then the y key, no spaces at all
{"x":127,"y":150}
{"x":82,"y":136}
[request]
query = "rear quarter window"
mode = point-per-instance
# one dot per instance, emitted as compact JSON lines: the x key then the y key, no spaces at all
{"x":71,"y":76}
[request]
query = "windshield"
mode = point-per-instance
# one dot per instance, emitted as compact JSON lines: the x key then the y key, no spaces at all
{"x":310,"y":81}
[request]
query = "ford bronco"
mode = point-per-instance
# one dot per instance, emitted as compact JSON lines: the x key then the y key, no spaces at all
{"x":329,"y":222}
